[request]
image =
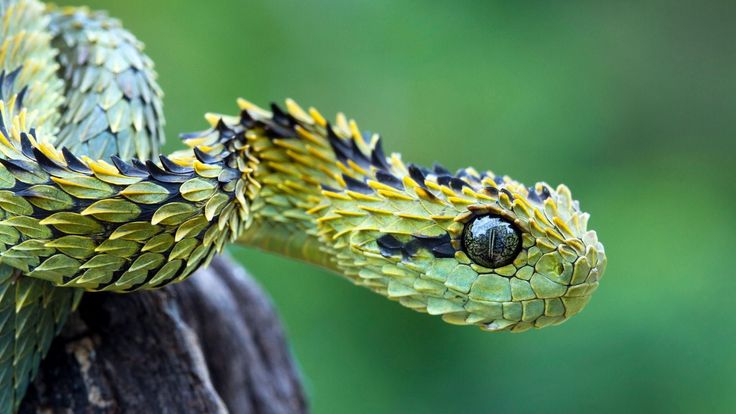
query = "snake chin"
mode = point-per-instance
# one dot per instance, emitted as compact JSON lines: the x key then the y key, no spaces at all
{"x":555,"y":272}
{"x":531,"y":261}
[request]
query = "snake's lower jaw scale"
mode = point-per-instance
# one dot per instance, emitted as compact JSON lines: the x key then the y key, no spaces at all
{"x":493,"y":303}
{"x":541,"y":273}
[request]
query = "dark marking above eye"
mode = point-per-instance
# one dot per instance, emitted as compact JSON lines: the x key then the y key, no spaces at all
{"x":411,"y":248}
{"x":444,"y":251}
{"x":389,"y":245}
{"x":491,"y":241}
{"x":440,"y":246}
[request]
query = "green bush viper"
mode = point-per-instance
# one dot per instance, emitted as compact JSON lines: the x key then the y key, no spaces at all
{"x":88,"y":204}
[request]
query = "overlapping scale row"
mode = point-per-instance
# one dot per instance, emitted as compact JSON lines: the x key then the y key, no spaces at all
{"x":31,"y":314}
{"x":113,"y":103}
{"x":397,"y":228}
{"x":122,"y":226}
{"x":31,"y":310}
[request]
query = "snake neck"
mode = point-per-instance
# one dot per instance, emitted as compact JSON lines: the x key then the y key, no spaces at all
{"x":293,"y":161}
{"x":311,"y":180}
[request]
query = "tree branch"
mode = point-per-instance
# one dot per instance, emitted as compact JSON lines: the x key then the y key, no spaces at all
{"x":212,"y":344}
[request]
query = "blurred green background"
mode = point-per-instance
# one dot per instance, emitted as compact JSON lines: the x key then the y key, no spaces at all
{"x":631,"y":103}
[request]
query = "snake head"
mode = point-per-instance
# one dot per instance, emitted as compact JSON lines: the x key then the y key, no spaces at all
{"x":475,"y":248}
{"x":523,"y":256}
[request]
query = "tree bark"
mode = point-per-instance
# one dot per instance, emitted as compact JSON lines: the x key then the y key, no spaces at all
{"x":212,"y":344}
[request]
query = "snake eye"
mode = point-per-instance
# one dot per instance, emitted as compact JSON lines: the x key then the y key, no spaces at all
{"x":491,"y":241}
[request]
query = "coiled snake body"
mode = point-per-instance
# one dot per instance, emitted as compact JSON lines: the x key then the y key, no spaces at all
{"x":87,"y":203}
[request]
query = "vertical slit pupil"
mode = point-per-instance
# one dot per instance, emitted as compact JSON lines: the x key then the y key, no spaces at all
{"x":491,"y":241}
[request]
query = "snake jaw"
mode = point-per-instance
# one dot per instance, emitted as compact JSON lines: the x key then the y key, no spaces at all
{"x":422,"y":261}
{"x":558,"y":268}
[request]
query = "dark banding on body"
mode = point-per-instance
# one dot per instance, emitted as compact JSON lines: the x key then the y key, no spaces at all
{"x":440,"y":246}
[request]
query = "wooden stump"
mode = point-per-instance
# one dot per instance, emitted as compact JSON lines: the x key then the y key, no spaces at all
{"x":212,"y":344}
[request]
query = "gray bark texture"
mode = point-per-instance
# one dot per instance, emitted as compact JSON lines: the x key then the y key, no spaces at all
{"x":211,"y":344}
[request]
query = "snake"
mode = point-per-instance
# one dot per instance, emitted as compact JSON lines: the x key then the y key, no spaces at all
{"x":88,"y":203}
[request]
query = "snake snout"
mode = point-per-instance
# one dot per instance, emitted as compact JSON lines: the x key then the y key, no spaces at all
{"x":551,"y":276}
